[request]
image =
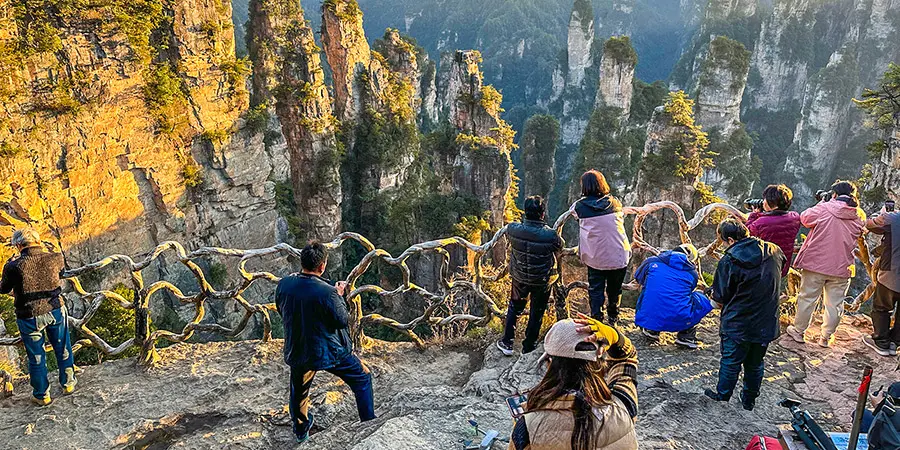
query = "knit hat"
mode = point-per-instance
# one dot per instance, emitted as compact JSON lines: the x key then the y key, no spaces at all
{"x":562,"y":339}
{"x":691,"y":252}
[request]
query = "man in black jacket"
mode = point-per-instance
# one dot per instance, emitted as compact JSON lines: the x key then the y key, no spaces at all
{"x":533,"y":246}
{"x":746,"y":286}
{"x":316,"y":338}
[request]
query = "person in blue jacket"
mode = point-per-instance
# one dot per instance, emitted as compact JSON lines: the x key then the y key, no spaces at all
{"x":317,"y":338}
{"x":668,"y":299}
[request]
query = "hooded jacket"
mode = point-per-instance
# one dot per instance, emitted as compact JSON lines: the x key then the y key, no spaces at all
{"x":778,"y":227}
{"x":888,"y":253}
{"x":747,"y":284}
{"x":668,"y":301}
{"x":834,"y":228}
{"x":315,"y":322}
{"x":602,"y":242}
{"x":533,"y":245}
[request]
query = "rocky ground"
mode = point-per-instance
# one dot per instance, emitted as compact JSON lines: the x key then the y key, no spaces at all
{"x":234,"y":395}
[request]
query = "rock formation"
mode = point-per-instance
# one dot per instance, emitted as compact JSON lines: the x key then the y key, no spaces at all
{"x":579,"y":42}
{"x":119,"y":138}
{"x":538,"y":144}
{"x":675,"y":156}
{"x":348,"y":54}
{"x":721,"y":85}
{"x":480,"y":166}
{"x":885,"y":172}
{"x":617,"y":75}
{"x":288,"y":73}
{"x":817,"y":141}
{"x":723,"y":76}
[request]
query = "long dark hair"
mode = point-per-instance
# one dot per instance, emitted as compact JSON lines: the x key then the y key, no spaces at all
{"x":583,"y":378}
{"x":593,"y":184}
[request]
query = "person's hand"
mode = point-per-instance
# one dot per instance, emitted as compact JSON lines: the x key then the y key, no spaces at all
{"x":341,"y":286}
{"x":600,"y":332}
{"x":876,"y":399}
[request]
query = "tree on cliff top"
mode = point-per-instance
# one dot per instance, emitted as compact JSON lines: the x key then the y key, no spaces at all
{"x":620,"y":49}
{"x":883,"y":104}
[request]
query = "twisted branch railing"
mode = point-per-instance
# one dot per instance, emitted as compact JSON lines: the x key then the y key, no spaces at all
{"x":449,"y":286}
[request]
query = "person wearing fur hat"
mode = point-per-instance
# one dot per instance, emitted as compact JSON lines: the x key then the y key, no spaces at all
{"x":669,"y":300}
{"x":587,"y":400}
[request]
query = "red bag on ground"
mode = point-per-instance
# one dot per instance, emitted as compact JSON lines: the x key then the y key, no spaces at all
{"x":764,"y":443}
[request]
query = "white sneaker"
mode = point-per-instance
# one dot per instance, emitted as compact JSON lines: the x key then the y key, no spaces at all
{"x":825,"y":341}
{"x":795,"y":334}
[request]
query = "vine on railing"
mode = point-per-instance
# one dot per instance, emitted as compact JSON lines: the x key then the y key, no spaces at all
{"x":449,"y":286}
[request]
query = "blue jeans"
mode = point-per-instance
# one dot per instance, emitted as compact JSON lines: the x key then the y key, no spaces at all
{"x":55,"y":324}
{"x":351,"y":371}
{"x":737,"y":354}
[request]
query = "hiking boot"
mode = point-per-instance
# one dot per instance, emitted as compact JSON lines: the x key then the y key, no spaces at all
{"x":304,"y":436}
{"x":526,"y":349}
{"x":613,"y":322}
{"x":825,"y":341}
{"x":650,"y":334}
{"x":505,"y":348}
{"x":690,"y":344}
{"x":714,"y":395}
{"x":795,"y":334}
{"x":889,"y":351}
{"x":747,"y":404}
{"x":41,"y":401}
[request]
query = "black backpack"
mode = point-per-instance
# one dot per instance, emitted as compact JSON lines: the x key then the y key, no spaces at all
{"x":885,"y":431}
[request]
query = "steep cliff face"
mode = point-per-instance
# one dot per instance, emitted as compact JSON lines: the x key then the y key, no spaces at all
{"x":579,"y":42}
{"x":886,"y":169}
{"x":721,"y":85}
{"x":616,"y":84}
{"x":348,"y":54}
{"x":288,"y":73}
{"x":675,"y":156}
{"x":780,"y":68}
{"x":125,"y":138}
{"x":480,"y":166}
{"x":817,"y":141}
{"x":538,"y":144}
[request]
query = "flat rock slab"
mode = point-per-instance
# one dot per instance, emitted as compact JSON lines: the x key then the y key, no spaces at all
{"x":234,"y":395}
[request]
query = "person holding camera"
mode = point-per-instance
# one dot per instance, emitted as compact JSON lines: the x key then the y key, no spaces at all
{"x":771,"y":221}
{"x":669,"y":300}
{"x":887,"y":288}
{"x":826,"y":261}
{"x":533,"y":246}
{"x":316,"y":337}
{"x":747,"y":286}
{"x":602,"y":244}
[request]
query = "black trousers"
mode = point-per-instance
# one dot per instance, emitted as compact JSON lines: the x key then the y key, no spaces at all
{"x":351,"y":371}
{"x":605,"y":287}
{"x":519,"y":296}
{"x":885,"y":305}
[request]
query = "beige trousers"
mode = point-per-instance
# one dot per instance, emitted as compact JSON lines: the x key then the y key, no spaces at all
{"x":831,"y":289}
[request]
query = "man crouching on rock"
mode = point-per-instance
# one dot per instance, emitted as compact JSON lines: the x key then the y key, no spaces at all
{"x":316,"y":338}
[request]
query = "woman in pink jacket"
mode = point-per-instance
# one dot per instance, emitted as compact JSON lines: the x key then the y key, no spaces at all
{"x":826,"y":261}
{"x":602,"y":244}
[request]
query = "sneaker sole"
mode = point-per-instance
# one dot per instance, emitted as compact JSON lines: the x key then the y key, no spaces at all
{"x":879,"y":350}
{"x":505,"y":351}
{"x":687,"y":345}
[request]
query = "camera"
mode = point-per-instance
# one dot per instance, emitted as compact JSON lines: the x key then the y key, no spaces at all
{"x":823,"y":195}
{"x":753,"y":203}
